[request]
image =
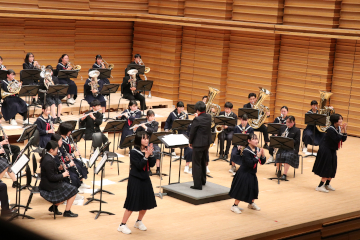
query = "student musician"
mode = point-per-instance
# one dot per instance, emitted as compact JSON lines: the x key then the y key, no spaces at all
{"x":228,"y":131}
{"x":288,"y":157}
{"x":13,"y":104}
{"x":99,"y":63}
{"x":2,"y":67}
{"x":178,"y":113}
{"x":4,"y":141}
{"x":244,"y":186}
{"x":262,"y":128}
{"x":45,"y":126}
{"x":30,"y":63}
{"x":236,"y":153}
{"x":52,"y":187}
{"x":92,"y":122}
{"x":326,"y":160}
{"x":205,"y":99}
{"x":52,"y":100}
{"x":282,"y":120}
{"x":129,"y":115}
{"x":63,"y":64}
{"x":92,"y":89}
{"x":140,"y":194}
{"x":308,"y":132}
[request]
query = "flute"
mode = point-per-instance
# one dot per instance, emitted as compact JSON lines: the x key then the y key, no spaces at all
{"x":138,"y":125}
{"x":90,"y":113}
{"x":127,"y":115}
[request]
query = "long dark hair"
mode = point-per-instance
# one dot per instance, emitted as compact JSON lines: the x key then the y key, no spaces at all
{"x":50,"y":145}
{"x":62,"y":56}
{"x":27,"y":57}
{"x":335,"y":118}
{"x":132,"y":102}
{"x":250,"y":137}
{"x":140,"y":135}
{"x":64,"y":128}
{"x":97,"y":57}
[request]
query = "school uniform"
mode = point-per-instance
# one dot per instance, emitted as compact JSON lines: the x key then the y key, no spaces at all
{"x":4,"y":164}
{"x":61,"y":156}
{"x":140,"y":193}
{"x":226,"y":134}
{"x":127,"y":94}
{"x":79,"y":164}
{"x":14,"y":149}
{"x":244,"y":186}
{"x":30,"y":66}
{"x":262,"y":128}
{"x":172,"y":117}
{"x":326,"y":160}
{"x":126,"y":130}
{"x":188,"y":151}
{"x":102,"y":80}
{"x":281,"y":121}
{"x":290,"y":157}
{"x":2,"y":67}
{"x":235,"y":153}
{"x":89,"y":96}
{"x":12,"y":104}
{"x":42,"y":126}
{"x":151,"y":128}
{"x":52,"y":188}
{"x":72,"y":86}
{"x":50,"y":98}
{"x":308,"y":133}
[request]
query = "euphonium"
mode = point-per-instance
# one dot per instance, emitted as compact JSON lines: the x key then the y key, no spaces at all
{"x":13,"y":88}
{"x":132,"y":74}
{"x":94,"y":81}
{"x":256,"y":123}
{"x":46,"y":74}
{"x":323,"y":109}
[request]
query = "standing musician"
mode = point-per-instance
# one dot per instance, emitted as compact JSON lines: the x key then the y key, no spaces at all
{"x":63,"y":64}
{"x":129,"y":115}
{"x":100,"y":64}
{"x":92,"y":89}
{"x":178,"y":113}
{"x":199,"y":141}
{"x":309,"y":130}
{"x":2,"y":67}
{"x":289,"y":157}
{"x":93,"y":121}
{"x":45,"y":126}
{"x":14,"y":149}
{"x":262,"y":128}
{"x":12,"y":104}
{"x":52,"y":100}
{"x":236,"y":153}
{"x":282,"y":120}
{"x":30,"y":63}
{"x":228,"y":131}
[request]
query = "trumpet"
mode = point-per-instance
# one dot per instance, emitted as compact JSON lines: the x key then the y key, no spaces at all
{"x":38,"y":66}
{"x":138,"y":125}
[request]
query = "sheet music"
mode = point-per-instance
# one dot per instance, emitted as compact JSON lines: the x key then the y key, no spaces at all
{"x":16,"y":168}
{"x":176,"y":139}
{"x":94,"y":157}
{"x":11,"y":127}
{"x":102,"y":162}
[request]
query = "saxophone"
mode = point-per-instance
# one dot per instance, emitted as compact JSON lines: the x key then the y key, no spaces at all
{"x":94,"y":82}
{"x":256,"y":123}
{"x":132,"y":74}
{"x":323,"y":109}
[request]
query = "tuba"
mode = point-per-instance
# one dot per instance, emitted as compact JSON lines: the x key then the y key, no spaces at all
{"x":13,"y":88}
{"x":132,"y":74}
{"x":46,"y":75}
{"x":147,"y":70}
{"x":323,"y":109}
{"x":256,"y":123}
{"x":94,"y":81}
{"x":209,"y":106}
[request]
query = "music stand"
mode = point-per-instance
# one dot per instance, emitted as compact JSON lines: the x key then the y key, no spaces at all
{"x":3,"y":74}
{"x":68,"y":74}
{"x":180,"y":125}
{"x":228,"y":121}
{"x":29,"y":91}
{"x":57,"y":90}
{"x":143,"y":86}
{"x":190,"y":108}
{"x":106,"y":90}
{"x":315,"y":120}
{"x":250,"y":112}
{"x":128,"y":142}
{"x":104,"y":72}
{"x":27,"y":133}
{"x":240,"y":139}
{"x":140,"y":68}
{"x":273,"y":128}
{"x":77,"y":134}
{"x":99,"y":168}
{"x":114,"y":126}
{"x":73,"y":124}
{"x":281,"y":143}
{"x":30,"y":75}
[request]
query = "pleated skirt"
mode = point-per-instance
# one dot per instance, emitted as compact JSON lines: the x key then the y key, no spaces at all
{"x":326,"y":163}
{"x":64,"y":192}
{"x":244,"y":187}
{"x":3,"y":164}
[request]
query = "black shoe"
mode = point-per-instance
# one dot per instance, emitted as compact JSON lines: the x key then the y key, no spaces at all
{"x":157,"y":172}
{"x":8,"y":212}
{"x":70,"y":214}
{"x":283,"y":177}
{"x":226,"y":156}
{"x":57,"y":212}
{"x":16,"y":185}
{"x":221,"y":155}
{"x":193,"y":187}
{"x":58,"y":119}
{"x":150,"y":173}
{"x":266,"y":146}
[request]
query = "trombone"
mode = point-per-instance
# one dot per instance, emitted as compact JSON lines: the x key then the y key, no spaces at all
{"x":109,"y":66}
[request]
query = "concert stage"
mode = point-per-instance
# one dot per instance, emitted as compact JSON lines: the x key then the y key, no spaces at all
{"x":211,"y":192}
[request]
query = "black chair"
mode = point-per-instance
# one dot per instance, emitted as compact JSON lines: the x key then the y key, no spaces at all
{"x":35,"y":143}
{"x":32,"y":189}
{"x":35,"y":175}
{"x":121,"y":96}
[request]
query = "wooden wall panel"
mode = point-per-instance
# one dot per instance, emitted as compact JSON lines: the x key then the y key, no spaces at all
{"x":266,"y":11}
{"x":305,"y":67}
{"x":65,"y":4}
{"x":160,"y":49}
{"x":313,"y":13}
{"x":128,"y":6}
{"x":19,"y":3}
{"x":213,"y":9}
{"x":204,"y":60}
{"x":253,"y":63}
{"x":167,"y":7}
{"x":350,"y":14}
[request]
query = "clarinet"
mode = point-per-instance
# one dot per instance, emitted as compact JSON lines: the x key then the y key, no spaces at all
{"x":68,"y":155}
{"x":6,"y":137}
{"x":77,"y":150}
{"x":62,"y":163}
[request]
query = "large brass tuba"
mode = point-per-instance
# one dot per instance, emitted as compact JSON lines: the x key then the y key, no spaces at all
{"x":209,"y":105}
{"x":323,"y":109}
{"x":256,"y":123}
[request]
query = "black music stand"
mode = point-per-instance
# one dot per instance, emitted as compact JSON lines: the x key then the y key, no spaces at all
{"x":106,"y":90}
{"x":29,"y":91}
{"x":140,"y":68}
{"x":190,"y":108}
{"x":73,"y":124}
{"x":228,"y":121}
{"x":128,"y":142}
{"x":114,"y":126}
{"x":273,"y":128}
{"x":250,"y":112}
{"x":104,"y":72}
{"x":315,"y":120}
{"x":68,"y":73}
{"x":180,"y":125}
{"x":240,"y":139}
{"x":57,"y":90}
{"x":281,"y":143}
{"x":143,"y":86}
{"x":30,"y":75}
{"x":77,"y":134}
{"x":99,"y":168}
{"x":3,"y":74}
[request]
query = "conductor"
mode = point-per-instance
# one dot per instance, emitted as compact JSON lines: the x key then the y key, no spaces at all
{"x":200,"y":140}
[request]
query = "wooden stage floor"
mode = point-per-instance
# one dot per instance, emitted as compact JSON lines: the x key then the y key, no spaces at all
{"x":289,"y":204}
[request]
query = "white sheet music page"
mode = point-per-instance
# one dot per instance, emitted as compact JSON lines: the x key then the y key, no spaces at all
{"x":102,"y":162}
{"x":23,"y":160}
{"x":94,"y":157}
{"x":176,"y":139}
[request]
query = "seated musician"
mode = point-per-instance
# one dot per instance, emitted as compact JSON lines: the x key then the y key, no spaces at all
{"x":93,"y":121}
{"x":51,"y":99}
{"x":236,"y":152}
{"x":30,"y":63}
{"x":228,"y":131}
{"x":5,"y":168}
{"x":282,"y":120}
{"x":205,"y":99}
{"x":2,"y":67}
{"x":129,"y":90}
{"x":92,"y":89}
{"x":12,"y":104}
{"x":129,"y":115}
{"x":99,"y":63}
{"x":4,"y":141}
{"x":178,"y":113}
{"x":44,"y":125}
{"x":262,"y":128}
{"x":63,"y":64}
{"x":289,"y":157}
{"x":308,"y":133}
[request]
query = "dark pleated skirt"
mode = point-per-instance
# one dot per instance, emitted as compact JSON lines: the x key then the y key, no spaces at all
{"x":51,"y":99}
{"x":288,"y":157}
{"x":44,"y":140}
{"x":89,"y":98}
{"x":244,"y":187}
{"x":11,"y":106}
{"x":308,"y":136}
{"x":156,"y":151}
{"x":64,"y":192}
{"x":140,"y":194}
{"x":188,"y":154}
{"x":72,"y":86}
{"x":326,"y":162}
{"x":3,"y":164}
{"x":235,"y":156}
